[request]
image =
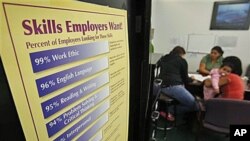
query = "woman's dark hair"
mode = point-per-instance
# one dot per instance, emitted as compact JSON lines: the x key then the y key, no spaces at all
{"x":218,"y":49}
{"x":236,"y":63}
{"x":229,"y":64}
{"x":178,"y":50}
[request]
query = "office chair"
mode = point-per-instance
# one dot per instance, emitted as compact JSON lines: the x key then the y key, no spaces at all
{"x":221,"y":113}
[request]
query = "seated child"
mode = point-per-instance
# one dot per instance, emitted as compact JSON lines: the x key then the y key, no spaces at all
{"x":210,"y":92}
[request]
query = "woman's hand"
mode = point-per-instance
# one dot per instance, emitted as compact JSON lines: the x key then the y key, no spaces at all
{"x":202,"y":69}
{"x":217,"y":91}
{"x":192,"y":77}
{"x":208,"y":83}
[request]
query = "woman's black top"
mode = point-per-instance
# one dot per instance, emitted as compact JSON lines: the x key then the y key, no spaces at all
{"x":173,"y":70}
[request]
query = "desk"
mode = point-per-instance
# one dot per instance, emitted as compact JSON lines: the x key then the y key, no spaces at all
{"x":195,"y":88}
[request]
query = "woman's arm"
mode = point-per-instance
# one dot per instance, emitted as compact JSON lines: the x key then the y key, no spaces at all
{"x":202,"y":69}
{"x":223,"y":81}
{"x":208,"y":82}
{"x":184,"y":72}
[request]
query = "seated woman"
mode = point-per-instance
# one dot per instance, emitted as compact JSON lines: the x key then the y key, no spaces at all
{"x":210,"y":61}
{"x":174,"y":74}
{"x":231,"y":84}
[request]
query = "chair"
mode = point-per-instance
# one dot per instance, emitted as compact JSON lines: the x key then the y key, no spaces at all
{"x":221,"y":113}
{"x":162,"y":103}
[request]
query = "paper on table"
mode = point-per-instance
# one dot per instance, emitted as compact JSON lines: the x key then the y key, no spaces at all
{"x":199,"y":77}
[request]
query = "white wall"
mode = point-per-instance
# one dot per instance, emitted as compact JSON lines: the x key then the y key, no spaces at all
{"x":174,"y":20}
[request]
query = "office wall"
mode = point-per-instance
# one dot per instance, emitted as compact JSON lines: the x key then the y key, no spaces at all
{"x":174,"y":20}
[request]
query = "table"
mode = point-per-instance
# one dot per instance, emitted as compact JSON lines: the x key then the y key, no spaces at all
{"x":195,"y":88}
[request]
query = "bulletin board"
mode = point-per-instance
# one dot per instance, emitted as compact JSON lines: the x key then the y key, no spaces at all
{"x":67,"y":65}
{"x":200,"y":43}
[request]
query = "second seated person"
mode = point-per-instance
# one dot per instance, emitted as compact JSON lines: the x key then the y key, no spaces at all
{"x":211,"y":61}
{"x":230,"y":83}
{"x":174,"y":74}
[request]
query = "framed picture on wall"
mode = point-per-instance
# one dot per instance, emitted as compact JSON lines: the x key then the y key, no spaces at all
{"x":231,"y":15}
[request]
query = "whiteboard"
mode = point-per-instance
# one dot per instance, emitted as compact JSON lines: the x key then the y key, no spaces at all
{"x":200,"y":43}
